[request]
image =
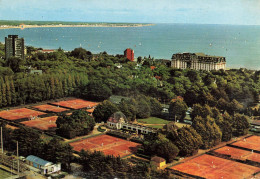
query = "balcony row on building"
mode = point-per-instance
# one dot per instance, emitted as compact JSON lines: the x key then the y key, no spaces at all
{"x":198,"y":61}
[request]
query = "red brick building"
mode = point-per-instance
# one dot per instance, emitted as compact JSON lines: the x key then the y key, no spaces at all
{"x":129,"y":54}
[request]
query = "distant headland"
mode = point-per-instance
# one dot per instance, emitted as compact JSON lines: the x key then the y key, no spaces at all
{"x":6,"y":24}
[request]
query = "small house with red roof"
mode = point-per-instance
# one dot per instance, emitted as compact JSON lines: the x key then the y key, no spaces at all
{"x":158,"y":162}
{"x":178,"y":98}
{"x":152,"y":67}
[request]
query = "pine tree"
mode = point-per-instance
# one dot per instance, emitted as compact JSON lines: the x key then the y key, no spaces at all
{"x":13,"y":93}
{"x":8,"y":93}
{"x":1,"y":95}
{"x":65,"y":86}
{"x":52,"y":87}
{"x":70,"y":85}
{"x":4,"y":100}
{"x":61,"y":88}
{"x":58,"y":90}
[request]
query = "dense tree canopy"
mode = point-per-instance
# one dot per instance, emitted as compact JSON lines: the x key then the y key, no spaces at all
{"x":32,"y":142}
{"x":81,"y":53}
{"x":128,"y":108}
{"x":97,"y":90}
{"x":75,"y":74}
{"x":162,"y":147}
{"x":143,"y":109}
{"x":104,"y":110}
{"x":178,"y":110}
{"x":97,"y":164}
{"x":14,"y":63}
{"x":78,"y":123}
{"x":217,"y":98}
{"x":208,"y":130}
{"x":199,"y":110}
{"x":240,"y":124}
{"x":186,"y":139}
{"x":29,"y":141}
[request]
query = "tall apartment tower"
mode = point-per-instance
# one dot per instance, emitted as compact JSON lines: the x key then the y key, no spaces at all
{"x":14,"y":47}
{"x":129,"y":54}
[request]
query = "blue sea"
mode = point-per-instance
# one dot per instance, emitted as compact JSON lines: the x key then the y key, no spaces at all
{"x":239,"y":44}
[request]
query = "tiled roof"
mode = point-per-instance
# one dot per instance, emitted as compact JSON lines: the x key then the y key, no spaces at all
{"x":114,"y":120}
{"x":152,"y":67}
{"x":157,"y":159}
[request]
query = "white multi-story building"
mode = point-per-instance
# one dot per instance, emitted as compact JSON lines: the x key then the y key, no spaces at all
{"x":198,"y":61}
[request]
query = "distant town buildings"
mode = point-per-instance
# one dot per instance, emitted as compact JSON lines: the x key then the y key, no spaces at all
{"x":46,"y":51}
{"x":14,"y":47}
{"x":129,"y":54}
{"x":198,"y":61}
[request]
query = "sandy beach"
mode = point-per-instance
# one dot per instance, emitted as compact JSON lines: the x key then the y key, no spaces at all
{"x":88,"y":25}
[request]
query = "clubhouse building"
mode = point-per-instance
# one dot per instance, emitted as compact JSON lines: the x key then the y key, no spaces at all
{"x":118,"y":121}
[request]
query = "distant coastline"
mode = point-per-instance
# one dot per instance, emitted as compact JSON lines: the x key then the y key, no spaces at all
{"x":40,"y":24}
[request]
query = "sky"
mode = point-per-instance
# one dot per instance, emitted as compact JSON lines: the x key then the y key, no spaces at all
{"x":242,"y":12}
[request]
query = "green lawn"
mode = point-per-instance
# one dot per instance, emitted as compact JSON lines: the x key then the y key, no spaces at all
{"x":153,"y":120}
{"x":156,"y":126}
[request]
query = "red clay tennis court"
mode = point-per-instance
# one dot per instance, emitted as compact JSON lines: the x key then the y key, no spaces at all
{"x":76,"y":104}
{"x":233,"y":152}
{"x":252,"y":142}
{"x":50,"y":108}
{"x":239,"y":153}
{"x":108,"y":144}
{"x":105,"y":140}
{"x":254,"y":157}
{"x":254,"y":139}
{"x":20,"y":113}
{"x":212,"y":167}
{"x":42,"y":123}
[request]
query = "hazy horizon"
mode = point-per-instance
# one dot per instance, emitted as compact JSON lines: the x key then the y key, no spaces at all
{"x":152,"y":23}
